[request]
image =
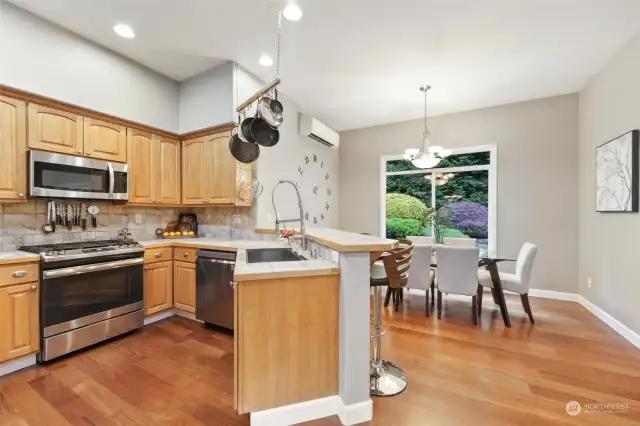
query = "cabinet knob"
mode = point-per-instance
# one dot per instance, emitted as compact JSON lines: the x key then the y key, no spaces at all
{"x":185,"y":254}
{"x":79,"y":152}
{"x":88,"y":152}
{"x":158,"y":254}
{"x":232,"y":284}
{"x":21,"y":195}
{"x":19,"y":274}
{"x":146,"y":268}
{"x":34,"y":287}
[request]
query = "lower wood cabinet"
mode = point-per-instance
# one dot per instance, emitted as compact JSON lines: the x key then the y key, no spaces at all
{"x":158,"y":287}
{"x":184,"y":286}
{"x":19,"y":326}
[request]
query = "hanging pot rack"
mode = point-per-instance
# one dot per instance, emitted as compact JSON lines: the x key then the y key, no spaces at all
{"x":259,"y":94}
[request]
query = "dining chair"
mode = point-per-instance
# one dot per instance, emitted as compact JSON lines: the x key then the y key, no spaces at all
{"x":421,"y":275}
{"x":460,"y":242}
{"x":458,"y":274}
{"x":421,"y":240}
{"x":516,"y":283}
{"x":387,"y":378}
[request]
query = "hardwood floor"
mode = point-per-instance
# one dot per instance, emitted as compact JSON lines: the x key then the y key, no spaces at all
{"x":177,"y":373}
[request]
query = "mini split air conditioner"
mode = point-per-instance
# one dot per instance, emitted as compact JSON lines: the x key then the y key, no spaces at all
{"x":309,"y":127}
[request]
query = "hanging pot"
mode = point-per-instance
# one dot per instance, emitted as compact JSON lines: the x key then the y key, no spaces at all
{"x":276,"y":105}
{"x":244,"y":152}
{"x":263,"y":133}
{"x":244,"y":133}
{"x":274,"y":118}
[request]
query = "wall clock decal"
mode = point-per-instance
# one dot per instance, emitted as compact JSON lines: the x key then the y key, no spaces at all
{"x":316,"y":195}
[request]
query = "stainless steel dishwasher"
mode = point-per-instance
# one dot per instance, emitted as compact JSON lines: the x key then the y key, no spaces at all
{"x":214,"y":287}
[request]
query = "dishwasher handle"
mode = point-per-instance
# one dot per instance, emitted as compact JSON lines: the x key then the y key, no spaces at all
{"x":226,"y":262}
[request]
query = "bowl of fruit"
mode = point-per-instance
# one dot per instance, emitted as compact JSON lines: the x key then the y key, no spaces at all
{"x":172,"y":230}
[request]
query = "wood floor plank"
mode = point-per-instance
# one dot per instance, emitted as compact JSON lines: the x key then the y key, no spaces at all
{"x":177,"y":372}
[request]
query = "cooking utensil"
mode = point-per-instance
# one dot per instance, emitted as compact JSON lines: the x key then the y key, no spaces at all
{"x":69,"y":217}
{"x":245,"y":130}
{"x":52,"y":222}
{"x":274,"y":118}
{"x":83,"y":216}
{"x":244,"y":152}
{"x":276,"y":105}
{"x":47,"y":228}
{"x":263,"y":133}
{"x":94,"y":210}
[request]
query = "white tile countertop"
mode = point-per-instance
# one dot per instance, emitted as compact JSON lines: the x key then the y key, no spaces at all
{"x":253,"y":271}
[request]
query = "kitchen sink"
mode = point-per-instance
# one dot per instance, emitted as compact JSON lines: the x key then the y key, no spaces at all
{"x":272,"y":255}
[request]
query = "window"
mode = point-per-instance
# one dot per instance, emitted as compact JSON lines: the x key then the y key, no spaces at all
{"x":461,"y":189}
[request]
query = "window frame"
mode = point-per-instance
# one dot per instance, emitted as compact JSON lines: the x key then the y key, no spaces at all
{"x":492,"y":168}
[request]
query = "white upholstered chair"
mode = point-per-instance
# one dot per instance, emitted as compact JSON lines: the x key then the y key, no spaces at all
{"x":421,"y":240}
{"x":421,"y":276}
{"x":460,"y":242}
{"x":518,"y":282}
{"x":458,"y":274}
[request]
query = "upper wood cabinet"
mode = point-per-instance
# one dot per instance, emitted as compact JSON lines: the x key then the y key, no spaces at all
{"x":104,"y":140}
{"x":158,"y":287}
{"x":195,"y":177}
{"x":168,"y":170}
{"x":55,"y":130}
{"x":19,"y":327}
{"x":13,"y":150}
{"x":142,"y":179}
{"x":210,"y":173}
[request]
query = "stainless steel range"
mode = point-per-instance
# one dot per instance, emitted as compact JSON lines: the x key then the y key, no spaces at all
{"x":90,"y":292}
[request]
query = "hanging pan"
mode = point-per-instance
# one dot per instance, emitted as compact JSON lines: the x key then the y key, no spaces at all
{"x":268,"y":113}
{"x":263,"y":133}
{"x":244,"y":152}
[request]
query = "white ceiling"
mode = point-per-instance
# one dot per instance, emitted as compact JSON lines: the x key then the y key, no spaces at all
{"x":358,"y":63}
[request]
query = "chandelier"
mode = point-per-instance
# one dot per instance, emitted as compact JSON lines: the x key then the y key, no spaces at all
{"x":428,"y":156}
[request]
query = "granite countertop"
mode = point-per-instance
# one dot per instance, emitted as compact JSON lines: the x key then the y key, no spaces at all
{"x":253,"y":271}
{"x":343,"y":241}
{"x":16,"y":256}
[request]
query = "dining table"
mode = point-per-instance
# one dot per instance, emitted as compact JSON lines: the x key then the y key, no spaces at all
{"x":490,"y":263}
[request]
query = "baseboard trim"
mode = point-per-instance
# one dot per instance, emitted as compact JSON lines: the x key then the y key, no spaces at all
{"x":159,"y":316}
{"x":185,"y":314}
{"x":312,"y":410}
{"x":9,"y":367}
{"x":617,"y":326}
{"x":555,"y":295}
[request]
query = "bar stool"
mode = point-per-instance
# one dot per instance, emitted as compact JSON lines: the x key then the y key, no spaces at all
{"x":386,"y":378}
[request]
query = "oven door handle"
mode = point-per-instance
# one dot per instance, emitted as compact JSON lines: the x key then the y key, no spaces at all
{"x":78,"y":270}
{"x":112,"y":179}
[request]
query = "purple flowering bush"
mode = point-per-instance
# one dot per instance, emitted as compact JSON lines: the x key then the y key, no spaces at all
{"x":470,"y":218}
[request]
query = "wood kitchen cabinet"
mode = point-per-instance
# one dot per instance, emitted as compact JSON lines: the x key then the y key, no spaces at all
{"x":210,"y":173}
{"x":184,"y":286}
{"x":158,"y":287}
{"x":55,"y":130}
{"x":19,"y":326}
{"x":104,"y":140}
{"x":13,"y":150}
{"x":154,"y":169}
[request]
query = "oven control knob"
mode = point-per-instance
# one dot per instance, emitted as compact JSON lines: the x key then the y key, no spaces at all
{"x":60,"y":252}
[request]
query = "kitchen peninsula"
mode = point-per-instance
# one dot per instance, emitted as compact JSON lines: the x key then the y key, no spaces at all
{"x":301,"y":328}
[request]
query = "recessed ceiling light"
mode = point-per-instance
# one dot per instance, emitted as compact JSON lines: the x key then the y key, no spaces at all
{"x":265,"y":61}
{"x":292,"y":12}
{"x":124,"y":31}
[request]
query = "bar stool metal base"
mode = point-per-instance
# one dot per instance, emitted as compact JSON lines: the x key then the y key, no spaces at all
{"x":386,"y":379}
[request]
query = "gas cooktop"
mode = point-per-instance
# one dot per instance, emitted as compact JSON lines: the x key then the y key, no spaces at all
{"x":80,"y":250}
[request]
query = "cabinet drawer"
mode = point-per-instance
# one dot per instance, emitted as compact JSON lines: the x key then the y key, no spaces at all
{"x":158,"y":254}
{"x":185,"y":254}
{"x":18,"y":273}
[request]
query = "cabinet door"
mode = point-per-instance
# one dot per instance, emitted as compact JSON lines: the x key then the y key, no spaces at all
{"x":168,"y":175}
{"x":158,"y":287}
{"x":222,"y":170}
{"x":194,"y":171}
{"x":244,"y":178}
{"x":184,"y":286}
{"x":105,"y":141}
{"x":13,"y":149}
{"x":55,"y":130}
{"x":19,"y":333}
{"x":142,"y":179}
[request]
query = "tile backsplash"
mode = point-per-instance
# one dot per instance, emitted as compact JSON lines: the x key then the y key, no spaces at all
{"x":22,"y":223}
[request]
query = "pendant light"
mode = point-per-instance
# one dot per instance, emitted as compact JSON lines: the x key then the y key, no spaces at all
{"x":429,"y":156}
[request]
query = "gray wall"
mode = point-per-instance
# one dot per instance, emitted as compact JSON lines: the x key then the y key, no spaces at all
{"x":207,"y":99}
{"x":609,"y":243}
{"x":45,"y":59}
{"x":537,"y":177}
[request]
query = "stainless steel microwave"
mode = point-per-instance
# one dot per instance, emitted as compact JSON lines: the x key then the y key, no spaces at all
{"x":65,"y":176}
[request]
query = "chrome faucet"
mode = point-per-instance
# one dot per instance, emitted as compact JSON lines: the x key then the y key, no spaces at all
{"x":303,"y":241}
